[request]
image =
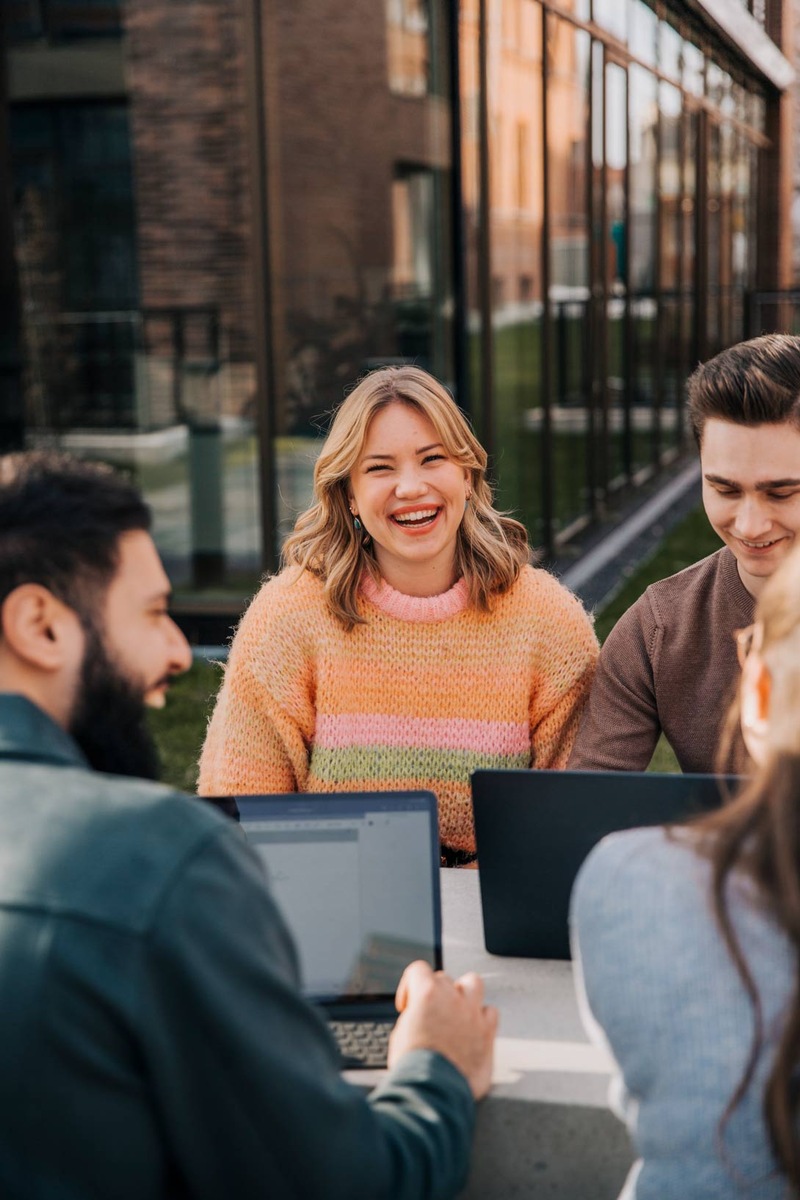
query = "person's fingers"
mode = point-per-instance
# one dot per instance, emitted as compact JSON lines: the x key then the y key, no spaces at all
{"x":471,"y":985}
{"x":491,"y":1018}
{"x":415,"y":974}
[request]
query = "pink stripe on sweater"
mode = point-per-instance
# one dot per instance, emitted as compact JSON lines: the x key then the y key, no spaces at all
{"x":439,"y":733}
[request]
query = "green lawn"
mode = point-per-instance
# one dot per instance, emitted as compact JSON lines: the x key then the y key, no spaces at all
{"x":689,"y":541}
{"x":179,"y":728}
{"x":520,"y":466}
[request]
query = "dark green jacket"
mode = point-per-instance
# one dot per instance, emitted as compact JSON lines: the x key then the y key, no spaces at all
{"x":152,"y":1039}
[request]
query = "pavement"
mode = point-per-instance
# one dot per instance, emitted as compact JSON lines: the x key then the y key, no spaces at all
{"x":622,"y":546}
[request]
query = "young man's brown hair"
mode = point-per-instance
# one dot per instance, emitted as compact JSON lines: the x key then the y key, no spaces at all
{"x":752,"y":383}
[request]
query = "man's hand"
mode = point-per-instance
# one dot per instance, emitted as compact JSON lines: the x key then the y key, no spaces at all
{"x":450,"y":1017}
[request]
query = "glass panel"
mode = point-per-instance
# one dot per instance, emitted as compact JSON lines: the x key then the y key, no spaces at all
{"x":670,"y":48}
{"x":727,"y":100}
{"x":63,"y":19}
{"x":714,"y":227}
{"x":730,"y":305}
{"x":568,"y":158}
{"x":616,"y":162}
{"x":643,"y":169}
{"x":515,"y":120}
{"x":714,"y":83}
{"x":598,"y":259}
{"x":612,"y":15}
{"x":23,"y":19}
{"x":469,"y":36}
{"x":670,"y":358}
{"x":743,"y":249}
{"x":643,"y":32}
{"x":131,"y":234}
{"x":759,"y":113}
{"x":360,"y":216}
{"x":693,"y":69}
{"x":407,"y":29}
{"x":76,"y":257}
{"x":688,"y":339}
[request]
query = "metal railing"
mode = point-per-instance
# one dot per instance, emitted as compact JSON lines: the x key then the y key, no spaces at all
{"x":138,"y":369}
{"x":773,"y":312}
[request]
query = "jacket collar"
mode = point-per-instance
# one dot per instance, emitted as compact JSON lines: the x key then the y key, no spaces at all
{"x":28,"y":733}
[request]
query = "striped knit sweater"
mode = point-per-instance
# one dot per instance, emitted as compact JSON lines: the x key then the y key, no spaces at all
{"x":419,"y":697}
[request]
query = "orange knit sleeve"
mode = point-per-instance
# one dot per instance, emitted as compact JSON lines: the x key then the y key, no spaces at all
{"x":263,"y":722}
{"x":567,"y":662}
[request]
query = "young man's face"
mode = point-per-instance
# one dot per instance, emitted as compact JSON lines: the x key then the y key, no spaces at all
{"x":132,"y":650}
{"x":751,"y":493}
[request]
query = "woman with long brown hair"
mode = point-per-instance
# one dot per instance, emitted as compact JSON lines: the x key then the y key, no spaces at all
{"x":407,"y":640}
{"x":687,"y":948}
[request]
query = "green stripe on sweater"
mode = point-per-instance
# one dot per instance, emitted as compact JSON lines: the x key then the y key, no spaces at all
{"x":391,"y":762}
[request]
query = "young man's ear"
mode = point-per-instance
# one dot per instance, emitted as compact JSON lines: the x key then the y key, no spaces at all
{"x":39,"y":628}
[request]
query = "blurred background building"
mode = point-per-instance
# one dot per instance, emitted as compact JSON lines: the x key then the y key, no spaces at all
{"x":217,"y":214}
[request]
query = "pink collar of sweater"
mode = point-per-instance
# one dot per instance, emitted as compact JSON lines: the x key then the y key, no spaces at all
{"x":416,"y":608}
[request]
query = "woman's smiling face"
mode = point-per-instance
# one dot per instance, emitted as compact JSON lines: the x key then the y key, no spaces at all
{"x":409,"y":495}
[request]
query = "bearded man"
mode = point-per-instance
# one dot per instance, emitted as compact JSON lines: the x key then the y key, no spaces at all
{"x":154,"y":1039}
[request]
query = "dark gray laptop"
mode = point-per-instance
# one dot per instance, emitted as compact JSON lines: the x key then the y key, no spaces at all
{"x":534,"y":829}
{"x":356,"y":877}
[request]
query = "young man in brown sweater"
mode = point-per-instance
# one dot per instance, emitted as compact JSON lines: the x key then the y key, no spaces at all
{"x":670,"y":663}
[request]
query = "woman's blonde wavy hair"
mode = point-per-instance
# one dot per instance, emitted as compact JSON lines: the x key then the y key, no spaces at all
{"x":491,"y":547}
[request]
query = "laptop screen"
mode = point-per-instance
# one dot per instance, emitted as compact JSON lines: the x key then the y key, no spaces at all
{"x":357,"y":880}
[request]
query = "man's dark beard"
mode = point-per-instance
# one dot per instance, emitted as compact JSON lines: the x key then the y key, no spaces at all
{"x":108,"y":720}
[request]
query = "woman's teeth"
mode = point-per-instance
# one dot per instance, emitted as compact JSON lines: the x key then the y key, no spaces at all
{"x":416,"y":518}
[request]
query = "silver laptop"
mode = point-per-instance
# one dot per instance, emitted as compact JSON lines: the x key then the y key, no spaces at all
{"x":356,"y":876}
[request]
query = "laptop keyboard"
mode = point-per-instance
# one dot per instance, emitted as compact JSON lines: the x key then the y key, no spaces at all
{"x":362,"y":1043}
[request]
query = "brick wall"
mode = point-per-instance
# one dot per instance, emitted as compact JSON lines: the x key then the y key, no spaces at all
{"x":185,"y":82}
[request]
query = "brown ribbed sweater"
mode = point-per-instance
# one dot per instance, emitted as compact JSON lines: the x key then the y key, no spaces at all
{"x":668,"y":664}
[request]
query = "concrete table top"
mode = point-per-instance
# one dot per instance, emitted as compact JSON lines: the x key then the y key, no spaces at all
{"x":545,"y":1129}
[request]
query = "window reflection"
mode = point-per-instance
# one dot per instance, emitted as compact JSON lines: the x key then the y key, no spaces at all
{"x":616,"y":250}
{"x":579,"y":313}
{"x":407,"y":28}
{"x":643,"y":32}
{"x":567,"y":139}
{"x":515,"y":148}
{"x":643,"y":141}
{"x":612,"y":15}
{"x":360,"y":226}
{"x":56,"y":19}
{"x":129,"y":175}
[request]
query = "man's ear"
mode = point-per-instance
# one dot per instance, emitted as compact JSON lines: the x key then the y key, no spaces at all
{"x":39,"y":628}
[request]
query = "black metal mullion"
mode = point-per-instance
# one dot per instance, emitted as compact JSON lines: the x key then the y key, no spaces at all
{"x":485,"y":239}
{"x":457,"y":224}
{"x":546,"y":440}
{"x":658,"y":388}
{"x":266,"y":385}
{"x":627,"y":319}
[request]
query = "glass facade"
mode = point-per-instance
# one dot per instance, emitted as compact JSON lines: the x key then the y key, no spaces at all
{"x":636,"y":151}
{"x":225,"y":212}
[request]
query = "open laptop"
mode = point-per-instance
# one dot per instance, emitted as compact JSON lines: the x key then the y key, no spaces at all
{"x":534,"y":829}
{"x":356,"y":877}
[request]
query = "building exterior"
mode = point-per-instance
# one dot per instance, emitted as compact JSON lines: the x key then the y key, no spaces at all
{"x":222,"y":212}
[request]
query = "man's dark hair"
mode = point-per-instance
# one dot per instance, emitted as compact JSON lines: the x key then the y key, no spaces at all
{"x":752,"y":383}
{"x":60,"y":524}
